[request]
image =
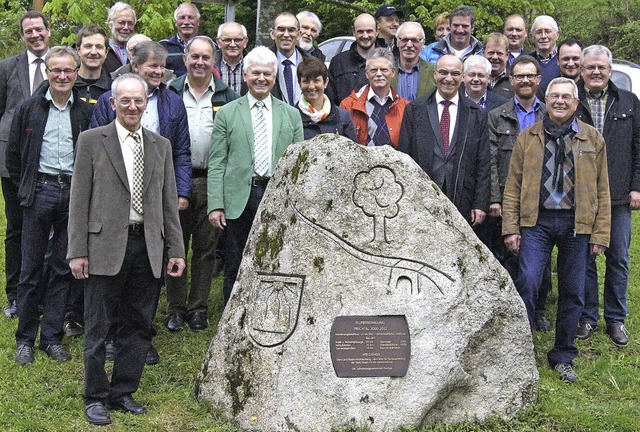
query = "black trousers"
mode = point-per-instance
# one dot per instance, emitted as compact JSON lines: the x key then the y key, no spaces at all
{"x":135,"y":292}
{"x":237,"y":233}
{"x":13,"y":237}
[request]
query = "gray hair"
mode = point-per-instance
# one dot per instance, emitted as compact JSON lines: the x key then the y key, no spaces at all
{"x":221,"y":27}
{"x":562,"y":80}
{"x":544,"y":19}
{"x":117,"y":8}
{"x":408,"y":24}
{"x":260,"y":56}
{"x":596,"y":50}
{"x":61,"y":51}
{"x":144,"y":50}
{"x":185,"y":4}
{"x":200,"y":37}
{"x":380,"y":53}
{"x":477,"y":60}
{"x":312,"y":17}
{"x":116,"y":82}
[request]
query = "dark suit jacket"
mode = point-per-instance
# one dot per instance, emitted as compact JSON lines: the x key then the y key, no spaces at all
{"x":276,"y":91}
{"x":100,"y":196}
{"x":464,"y":174}
{"x":14,"y":88}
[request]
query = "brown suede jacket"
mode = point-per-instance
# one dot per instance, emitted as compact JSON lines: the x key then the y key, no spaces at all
{"x":521,"y":198}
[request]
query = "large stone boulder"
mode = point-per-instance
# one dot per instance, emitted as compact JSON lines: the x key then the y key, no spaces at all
{"x":356,"y":259}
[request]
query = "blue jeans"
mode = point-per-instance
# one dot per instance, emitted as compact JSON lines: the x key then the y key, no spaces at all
{"x":555,"y":228}
{"x":617,"y":273}
{"x":50,"y":210}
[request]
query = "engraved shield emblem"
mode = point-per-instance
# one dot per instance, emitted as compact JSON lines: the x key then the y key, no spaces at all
{"x":272,"y":316}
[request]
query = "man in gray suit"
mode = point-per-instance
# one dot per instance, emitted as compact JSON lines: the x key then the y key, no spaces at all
{"x":20,"y":75}
{"x":119,"y":228}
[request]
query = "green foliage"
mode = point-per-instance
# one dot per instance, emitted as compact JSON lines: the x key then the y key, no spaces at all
{"x":10,"y":13}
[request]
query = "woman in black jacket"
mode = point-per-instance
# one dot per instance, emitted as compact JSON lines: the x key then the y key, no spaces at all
{"x":319,"y":115}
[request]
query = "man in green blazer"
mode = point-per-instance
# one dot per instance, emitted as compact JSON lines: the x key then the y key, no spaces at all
{"x":249,"y":136}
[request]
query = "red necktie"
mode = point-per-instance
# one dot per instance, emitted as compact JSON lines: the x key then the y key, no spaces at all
{"x":445,"y":121}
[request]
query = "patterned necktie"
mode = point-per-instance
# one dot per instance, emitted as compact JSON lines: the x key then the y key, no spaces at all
{"x":288,"y":81}
{"x":261,"y":164}
{"x":37,"y":74}
{"x":445,"y":122}
{"x":138,"y":173}
{"x":381,"y":135}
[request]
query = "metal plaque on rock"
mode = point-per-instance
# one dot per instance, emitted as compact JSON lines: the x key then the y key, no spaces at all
{"x":370,"y":346}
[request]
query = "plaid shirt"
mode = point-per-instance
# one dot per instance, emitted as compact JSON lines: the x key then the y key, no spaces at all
{"x":597,"y":106}
{"x":231,"y":76}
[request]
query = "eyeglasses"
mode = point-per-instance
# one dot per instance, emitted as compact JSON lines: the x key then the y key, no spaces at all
{"x":227,"y":41}
{"x":59,"y":72}
{"x":592,"y":68}
{"x":126,"y":102}
{"x":560,"y":97}
{"x":414,"y":41}
{"x":445,"y":72}
{"x":521,"y":77}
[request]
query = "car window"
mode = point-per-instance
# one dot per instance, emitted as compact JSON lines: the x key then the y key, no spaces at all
{"x":330,"y":49}
{"x":621,"y":80}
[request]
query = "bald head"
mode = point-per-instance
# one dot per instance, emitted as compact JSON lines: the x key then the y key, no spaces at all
{"x":364,"y":30}
{"x":135,"y":40}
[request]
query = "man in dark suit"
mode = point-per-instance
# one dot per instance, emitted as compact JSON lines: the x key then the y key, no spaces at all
{"x":123,"y":215}
{"x":285,"y":33}
{"x":448,"y":137}
{"x":20,"y":75}
{"x":244,"y":154}
{"x":477,"y":74}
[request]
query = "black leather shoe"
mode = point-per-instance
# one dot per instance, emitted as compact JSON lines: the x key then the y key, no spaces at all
{"x":541,"y":323}
{"x":584,"y":330}
{"x":72,"y":327}
{"x":26,"y":354}
{"x":198,"y":321}
{"x":56,"y":352}
{"x":109,"y":350}
{"x":97,"y":414}
{"x":127,"y":404}
{"x":618,"y":334}
{"x":12,"y":309}
{"x":175,"y":323}
{"x":153,"y":358}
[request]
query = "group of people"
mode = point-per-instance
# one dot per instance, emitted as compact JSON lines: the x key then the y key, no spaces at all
{"x":122,"y":152}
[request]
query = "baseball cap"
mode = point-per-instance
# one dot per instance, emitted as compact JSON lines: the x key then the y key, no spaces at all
{"x":386,"y":10}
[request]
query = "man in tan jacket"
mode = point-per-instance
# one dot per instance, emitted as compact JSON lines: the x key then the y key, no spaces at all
{"x":557,"y":194}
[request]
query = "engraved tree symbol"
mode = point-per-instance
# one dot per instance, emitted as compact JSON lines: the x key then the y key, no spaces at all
{"x":377,"y":193}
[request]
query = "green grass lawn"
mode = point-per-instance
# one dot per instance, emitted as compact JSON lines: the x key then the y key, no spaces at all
{"x":47,"y":396}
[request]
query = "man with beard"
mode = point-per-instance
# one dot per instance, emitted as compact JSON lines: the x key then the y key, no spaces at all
{"x":414,"y":76}
{"x":310,"y":28}
{"x":187,"y":19}
{"x":122,"y":23}
{"x":347,"y":69}
{"x":505,"y":124}
{"x":557,"y":194}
